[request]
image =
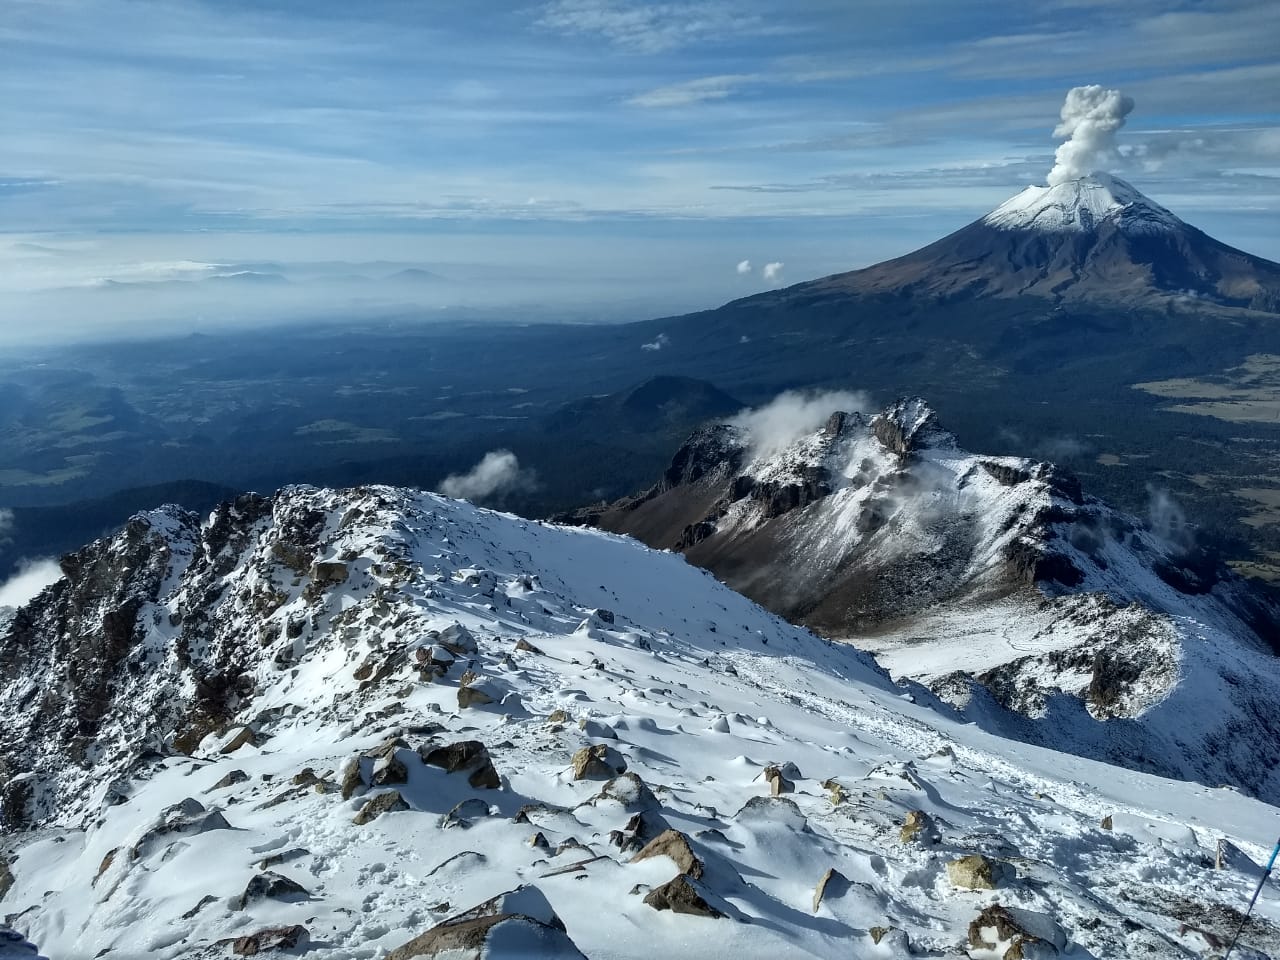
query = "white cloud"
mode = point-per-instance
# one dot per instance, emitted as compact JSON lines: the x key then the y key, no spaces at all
{"x":773,"y":272}
{"x":648,"y":27}
{"x":744,"y":267}
{"x":1167,"y":520}
{"x":496,"y":475}
{"x":660,"y":341}
{"x":792,"y":415}
{"x":32,"y":577}
{"x":692,"y":91}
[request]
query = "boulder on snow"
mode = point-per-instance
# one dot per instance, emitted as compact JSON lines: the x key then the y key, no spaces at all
{"x":502,"y":937}
{"x":917,"y":827}
{"x":1016,"y":934}
{"x":680,"y":895}
{"x":378,"y":805}
{"x":976,"y":872}
{"x":230,"y":780}
{"x":265,"y":941}
{"x":778,"y":784}
{"x":465,"y":756}
{"x":187,"y":818}
{"x":525,"y":900}
{"x":457,"y":639}
{"x":833,"y":884}
{"x":329,"y":572}
{"x":352,"y":780}
{"x":240,"y":737}
{"x":598,"y":762}
{"x":463,"y":813}
{"x":388,"y":771}
{"x":673,"y":844}
{"x":630,"y":791}
{"x":271,"y":886}
{"x":525,"y":646}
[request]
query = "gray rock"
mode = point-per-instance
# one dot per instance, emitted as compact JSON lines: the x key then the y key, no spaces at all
{"x":230,"y":780}
{"x":272,"y":886}
{"x":465,"y":756}
{"x":466,"y":811}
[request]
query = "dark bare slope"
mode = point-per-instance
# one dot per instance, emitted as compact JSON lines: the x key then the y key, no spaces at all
{"x":1096,"y":239}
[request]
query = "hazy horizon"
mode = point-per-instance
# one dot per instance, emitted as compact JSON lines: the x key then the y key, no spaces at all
{"x":600,"y":158}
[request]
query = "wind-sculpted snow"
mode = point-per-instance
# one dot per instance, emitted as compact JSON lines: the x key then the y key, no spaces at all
{"x":439,"y":725}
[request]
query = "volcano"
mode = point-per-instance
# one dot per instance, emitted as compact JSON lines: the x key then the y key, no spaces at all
{"x":1097,"y":238}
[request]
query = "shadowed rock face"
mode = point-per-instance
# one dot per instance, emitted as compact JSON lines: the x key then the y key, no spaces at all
{"x":872,"y":521}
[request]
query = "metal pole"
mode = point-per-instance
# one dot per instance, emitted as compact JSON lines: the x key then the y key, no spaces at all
{"x":1245,"y":919}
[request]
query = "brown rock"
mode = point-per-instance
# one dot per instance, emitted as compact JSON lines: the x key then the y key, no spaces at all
{"x":918,"y":826}
{"x":351,"y":780}
{"x":879,"y":933}
{"x":976,"y":872}
{"x":1106,"y":822}
{"x":526,"y":646}
{"x":103,"y":867}
{"x":472,"y":940}
{"x":673,"y":844}
{"x":380,"y":804}
{"x":273,"y":938}
{"x":679,"y":895}
{"x":598,"y":762}
{"x":778,"y":784}
{"x":472,"y":697}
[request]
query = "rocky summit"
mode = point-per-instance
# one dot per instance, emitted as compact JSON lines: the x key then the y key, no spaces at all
{"x":381,"y":723}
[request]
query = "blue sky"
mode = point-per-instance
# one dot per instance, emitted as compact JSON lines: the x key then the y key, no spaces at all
{"x":574,"y":139}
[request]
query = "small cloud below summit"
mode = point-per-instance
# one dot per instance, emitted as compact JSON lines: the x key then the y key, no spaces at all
{"x":744,"y":267}
{"x":32,"y":577}
{"x":772,"y":272}
{"x":658,"y":343}
{"x":497,"y":475}
{"x":1091,"y":117}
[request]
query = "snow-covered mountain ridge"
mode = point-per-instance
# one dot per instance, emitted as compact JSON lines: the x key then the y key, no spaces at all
{"x":380,"y":723}
{"x":996,"y":580}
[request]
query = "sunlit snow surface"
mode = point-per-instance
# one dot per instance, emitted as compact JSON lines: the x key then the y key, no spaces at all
{"x":701,"y":689}
{"x":1080,"y":206}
